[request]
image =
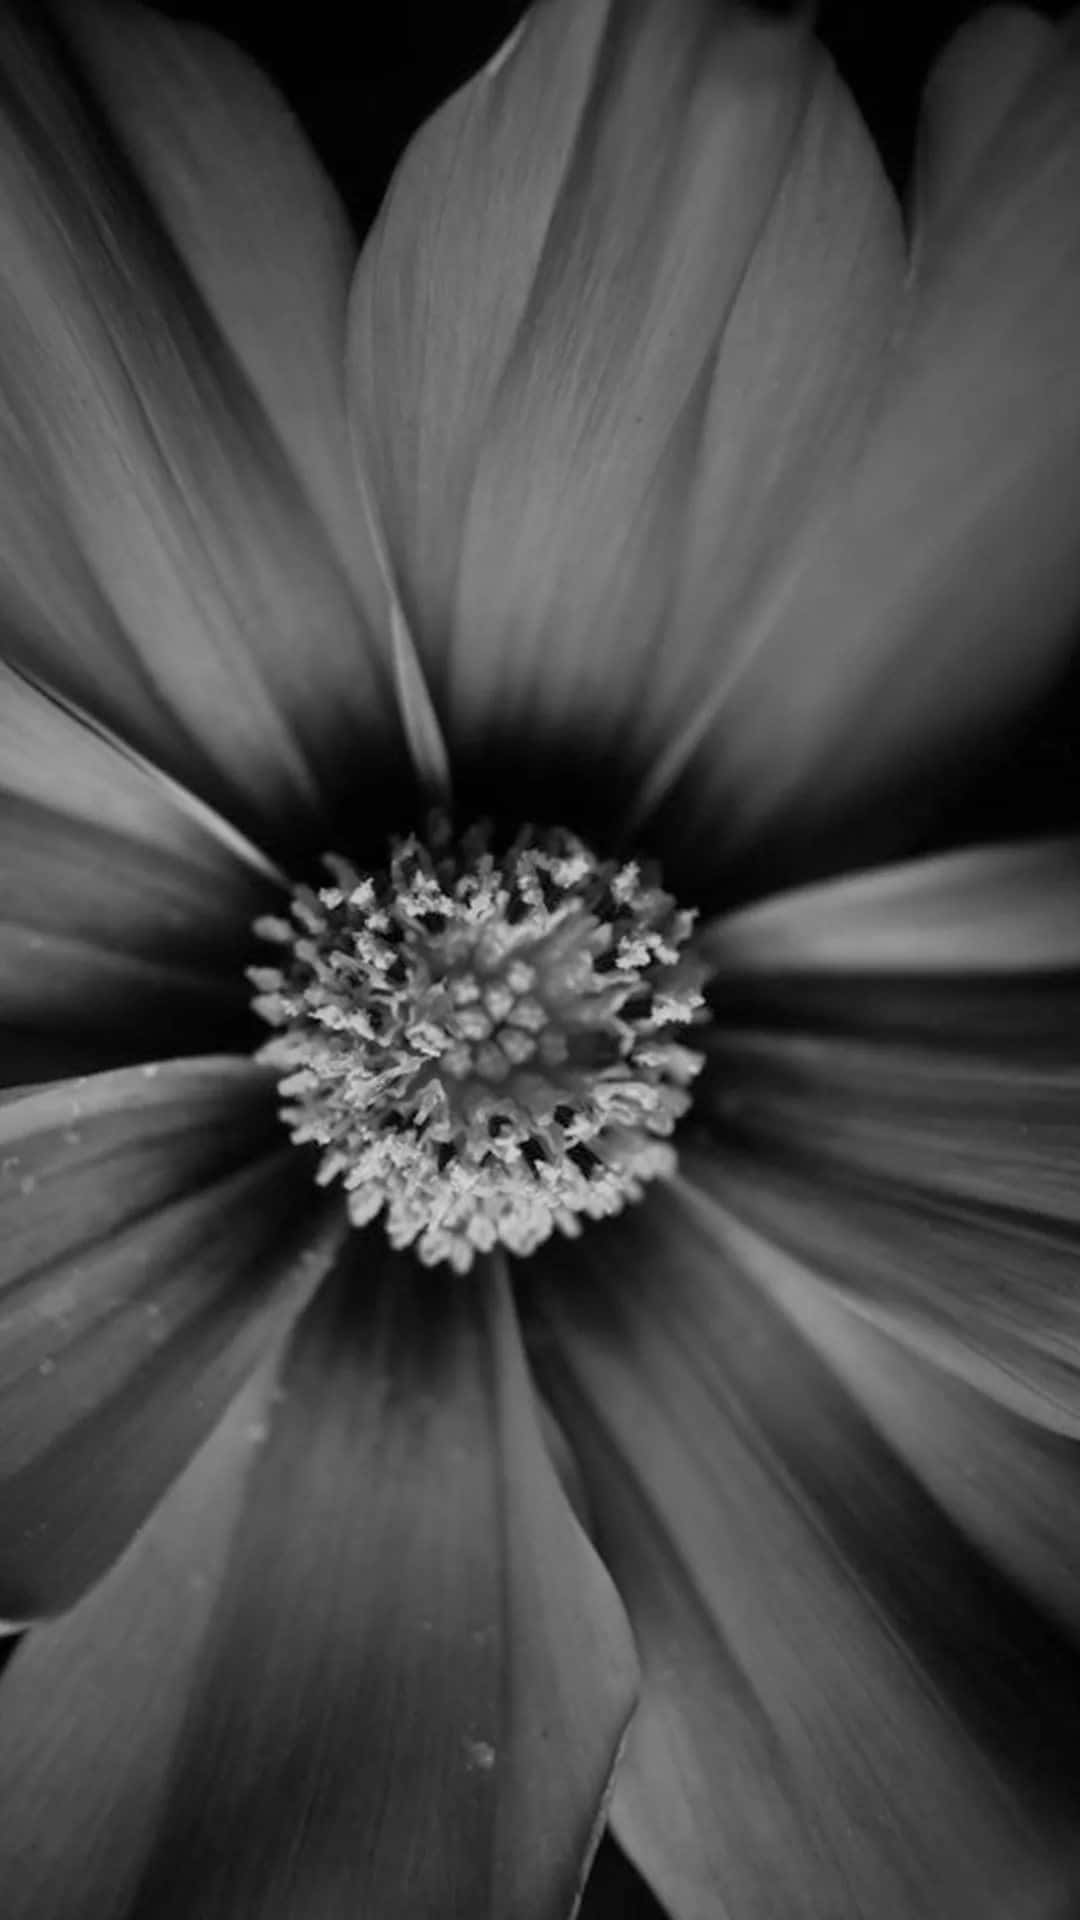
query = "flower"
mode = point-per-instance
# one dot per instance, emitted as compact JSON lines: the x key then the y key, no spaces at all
{"x":642,"y":481}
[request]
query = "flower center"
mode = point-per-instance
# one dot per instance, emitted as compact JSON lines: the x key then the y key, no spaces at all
{"x":481,"y":1043}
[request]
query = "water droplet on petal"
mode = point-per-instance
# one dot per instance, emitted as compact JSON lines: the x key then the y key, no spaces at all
{"x":479,"y":1755}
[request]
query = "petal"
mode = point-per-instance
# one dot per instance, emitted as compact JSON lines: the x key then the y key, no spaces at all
{"x":163,"y":564}
{"x":123,"y":912}
{"x":563,"y":329}
{"x":157,"y":1234}
{"x":894,"y":1087}
{"x":1006,"y":1482}
{"x":839,"y":1700}
{"x":936,"y":592}
{"x":260,"y":228}
{"x":972,"y":1265}
{"x":415,"y":1671}
{"x":992,"y":1129}
{"x":799,"y":363}
{"x":93,"y":1701}
{"x":985,"y":910}
{"x":977,"y":82}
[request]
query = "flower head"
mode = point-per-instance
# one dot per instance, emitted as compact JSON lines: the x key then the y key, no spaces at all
{"x":514,"y":1327}
{"x":480,"y":1042}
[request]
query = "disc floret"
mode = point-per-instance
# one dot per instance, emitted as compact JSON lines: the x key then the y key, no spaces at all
{"x":482,"y":1043}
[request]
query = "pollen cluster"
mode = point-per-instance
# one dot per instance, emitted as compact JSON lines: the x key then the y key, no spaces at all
{"x":482,"y":1043}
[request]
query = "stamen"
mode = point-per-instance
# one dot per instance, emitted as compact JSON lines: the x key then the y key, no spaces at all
{"x":480,"y":1042}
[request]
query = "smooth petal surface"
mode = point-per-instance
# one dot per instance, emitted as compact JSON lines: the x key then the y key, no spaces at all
{"x":587,"y":379}
{"x":893,"y":1085}
{"x":121,"y":911}
{"x":990,"y":910}
{"x":261,"y":229}
{"x":977,"y":83}
{"x":844,"y":1711}
{"x":163,"y":560}
{"x":157,"y":1233}
{"x":1009,"y":1484}
{"x":414,"y":1672}
{"x":93,"y":1701}
{"x":974,"y":1266}
{"x":959,"y":1126}
{"x":937,"y":591}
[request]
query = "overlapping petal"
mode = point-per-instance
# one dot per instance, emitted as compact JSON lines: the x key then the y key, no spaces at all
{"x":936,"y":591}
{"x":156,"y":1234}
{"x":259,"y":226}
{"x":412,"y":1675}
{"x":1008,"y":1483}
{"x":624,"y":305}
{"x":989,"y":1131}
{"x":125,"y":914}
{"x":844,"y":1711}
{"x":164,"y":559}
{"x":983,"y":911}
{"x":974,"y":1264}
{"x":93,"y":1701}
{"x":976,"y":84}
{"x":893,"y":1092}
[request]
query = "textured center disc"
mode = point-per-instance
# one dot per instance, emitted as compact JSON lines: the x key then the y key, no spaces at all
{"x":481,"y":1042}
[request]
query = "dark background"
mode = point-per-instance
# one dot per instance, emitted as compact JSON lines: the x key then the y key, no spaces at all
{"x":362,"y":77}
